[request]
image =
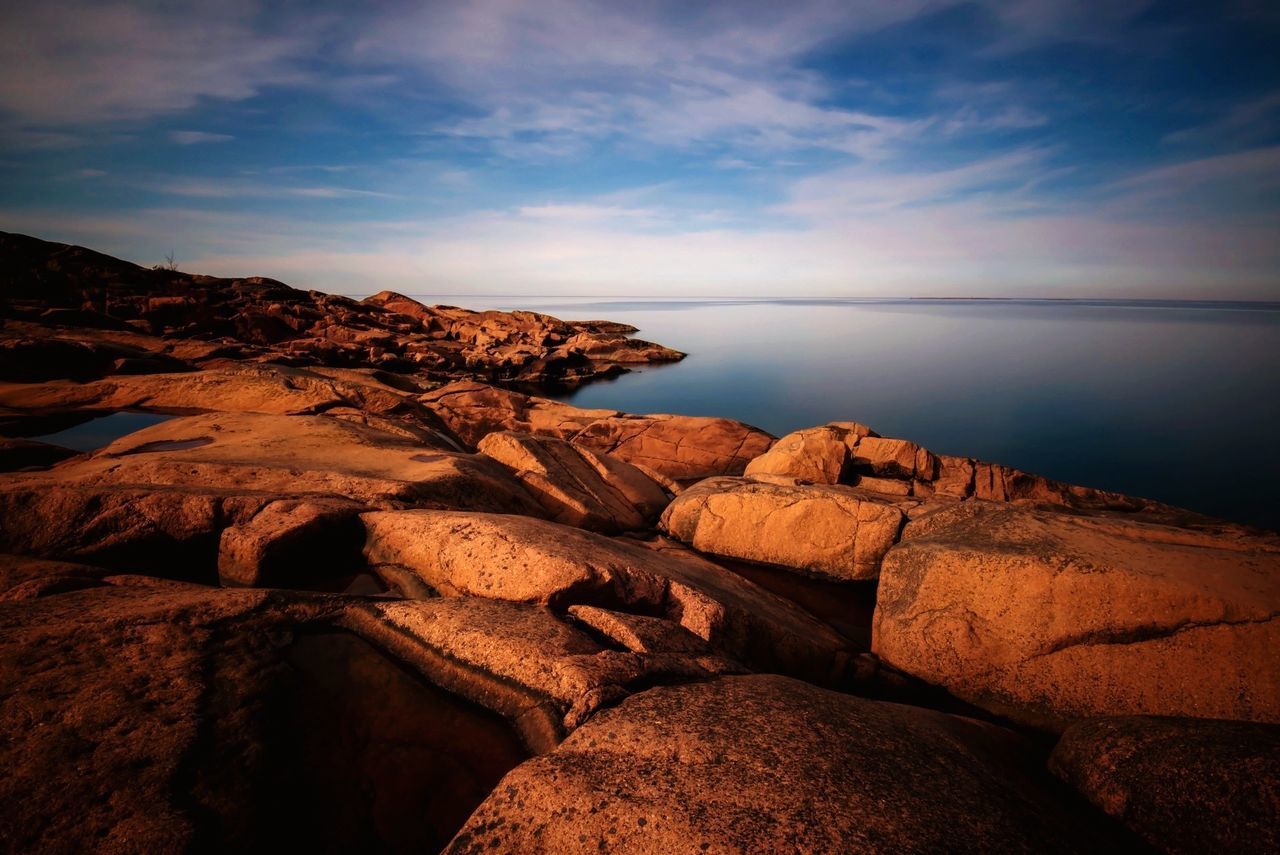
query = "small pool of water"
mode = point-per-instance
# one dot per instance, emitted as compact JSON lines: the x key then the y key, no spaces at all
{"x":102,"y":430}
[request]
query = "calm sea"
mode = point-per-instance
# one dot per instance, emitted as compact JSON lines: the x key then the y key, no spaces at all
{"x":1174,"y":401}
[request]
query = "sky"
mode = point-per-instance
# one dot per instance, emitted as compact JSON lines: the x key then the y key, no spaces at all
{"x":739,"y":149}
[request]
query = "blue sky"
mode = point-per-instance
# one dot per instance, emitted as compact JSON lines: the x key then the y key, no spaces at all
{"x":1122,"y":148}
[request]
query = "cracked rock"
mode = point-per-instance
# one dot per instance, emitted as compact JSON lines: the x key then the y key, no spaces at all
{"x":1048,"y":617}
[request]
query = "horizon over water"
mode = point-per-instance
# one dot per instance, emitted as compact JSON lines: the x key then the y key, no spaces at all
{"x":1169,"y":399}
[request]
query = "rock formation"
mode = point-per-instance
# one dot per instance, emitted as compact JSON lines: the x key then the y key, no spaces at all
{"x":1047,"y":617}
{"x":351,"y":590}
{"x":122,"y":315}
{"x":1185,"y":784}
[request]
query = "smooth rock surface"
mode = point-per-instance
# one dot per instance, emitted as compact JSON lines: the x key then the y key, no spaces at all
{"x":543,"y":674}
{"x":834,"y":532}
{"x":1048,"y":617}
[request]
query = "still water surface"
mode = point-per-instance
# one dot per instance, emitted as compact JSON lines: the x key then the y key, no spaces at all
{"x":1178,"y":402}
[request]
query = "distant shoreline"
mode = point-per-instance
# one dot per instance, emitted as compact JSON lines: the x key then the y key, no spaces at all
{"x":1102,"y":302}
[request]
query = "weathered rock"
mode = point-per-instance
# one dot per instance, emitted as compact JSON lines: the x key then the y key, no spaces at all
{"x":1048,"y":617}
{"x":639,"y":633}
{"x":683,"y":448}
{"x":578,"y":486}
{"x":1186,"y":785}
{"x":59,"y":287}
{"x":167,"y":718}
{"x":527,"y":560}
{"x":302,"y":454}
{"x":283,"y":544}
{"x":820,"y":454}
{"x":23,"y":577}
{"x":271,"y":389}
{"x":829,"y":531}
{"x":852,"y":454}
{"x":161,"y":499}
{"x":474,"y":410}
{"x":520,"y":660}
{"x":769,"y":764}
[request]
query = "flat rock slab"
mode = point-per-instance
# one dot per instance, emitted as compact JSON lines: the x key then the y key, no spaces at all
{"x":770,"y":764}
{"x":1186,"y":785}
{"x":162,"y":499}
{"x":1047,"y":617}
{"x":833,"y":532}
{"x":527,"y":560}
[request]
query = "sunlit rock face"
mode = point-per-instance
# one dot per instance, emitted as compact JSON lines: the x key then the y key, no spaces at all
{"x":1048,"y":617}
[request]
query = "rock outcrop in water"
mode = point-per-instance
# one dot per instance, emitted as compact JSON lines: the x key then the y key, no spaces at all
{"x":353,"y":597}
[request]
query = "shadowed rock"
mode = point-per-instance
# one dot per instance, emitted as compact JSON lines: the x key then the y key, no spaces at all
{"x":1186,"y":785}
{"x":171,"y":717}
{"x":1047,"y":617}
{"x":56,"y":286}
{"x":19,"y":454}
{"x":578,"y":486}
{"x":770,"y":764}
{"x":527,"y":560}
{"x":542,"y":674}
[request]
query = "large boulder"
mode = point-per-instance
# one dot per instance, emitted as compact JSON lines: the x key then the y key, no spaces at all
{"x":1186,"y":785}
{"x":1047,"y":617}
{"x":833,"y":532}
{"x":578,"y":486}
{"x":533,"y":561}
{"x":770,"y":764}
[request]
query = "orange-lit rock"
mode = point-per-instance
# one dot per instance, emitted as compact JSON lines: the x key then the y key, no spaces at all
{"x":770,"y":764}
{"x":830,"y":531}
{"x":1048,"y":617}
{"x":576,"y":485}
{"x":527,"y":560}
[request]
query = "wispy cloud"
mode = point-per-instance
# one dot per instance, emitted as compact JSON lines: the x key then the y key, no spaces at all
{"x":73,"y":63}
{"x":198,"y":137}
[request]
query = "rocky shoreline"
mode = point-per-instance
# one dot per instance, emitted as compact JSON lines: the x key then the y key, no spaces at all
{"x":364,"y":591}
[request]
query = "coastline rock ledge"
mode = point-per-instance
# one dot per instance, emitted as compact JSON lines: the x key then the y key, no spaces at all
{"x":335,"y":577}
